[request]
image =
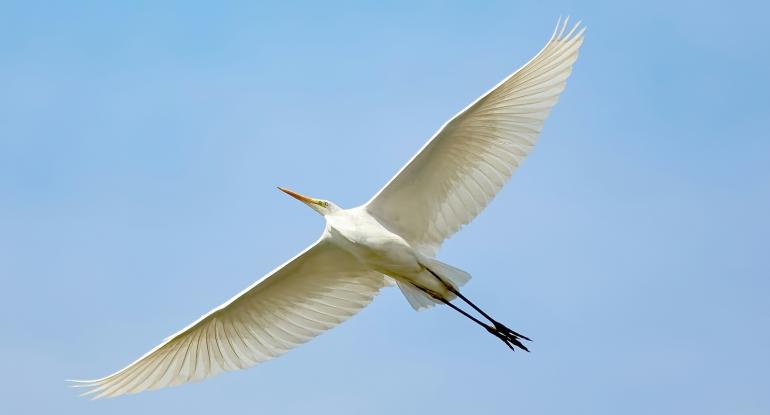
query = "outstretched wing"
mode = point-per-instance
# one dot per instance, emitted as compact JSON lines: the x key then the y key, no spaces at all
{"x":460,"y":169}
{"x":313,"y":292}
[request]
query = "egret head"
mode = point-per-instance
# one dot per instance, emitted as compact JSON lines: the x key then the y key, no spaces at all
{"x":324,"y":207}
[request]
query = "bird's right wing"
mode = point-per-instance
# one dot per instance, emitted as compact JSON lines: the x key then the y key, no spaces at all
{"x":313,"y":292}
{"x":461,"y":168}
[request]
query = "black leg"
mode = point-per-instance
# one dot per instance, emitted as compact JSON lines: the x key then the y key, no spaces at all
{"x":497,"y":329}
{"x":495,"y":322}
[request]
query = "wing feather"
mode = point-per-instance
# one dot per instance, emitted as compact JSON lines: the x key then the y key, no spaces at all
{"x":461,"y":168}
{"x":318,"y":289}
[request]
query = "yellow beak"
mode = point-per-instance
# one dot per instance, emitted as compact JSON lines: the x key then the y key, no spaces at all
{"x":301,"y":198}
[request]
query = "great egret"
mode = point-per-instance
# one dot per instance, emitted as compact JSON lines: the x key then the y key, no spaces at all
{"x":392,"y":239}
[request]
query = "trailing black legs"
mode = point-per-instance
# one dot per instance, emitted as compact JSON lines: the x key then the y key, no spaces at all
{"x":499,"y":330}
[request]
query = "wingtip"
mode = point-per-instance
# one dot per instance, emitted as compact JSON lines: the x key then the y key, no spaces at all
{"x":561,"y":33}
{"x":563,"y":26}
{"x":92,"y":387}
{"x":556,"y":29}
{"x":95,"y":392}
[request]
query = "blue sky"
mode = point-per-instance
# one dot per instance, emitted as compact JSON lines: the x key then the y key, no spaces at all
{"x":140,"y":147}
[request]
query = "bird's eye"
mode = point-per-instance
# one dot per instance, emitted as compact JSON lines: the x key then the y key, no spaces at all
{"x":323,"y":203}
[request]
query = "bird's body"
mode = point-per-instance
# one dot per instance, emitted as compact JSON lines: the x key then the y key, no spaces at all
{"x":393,"y":238}
{"x":371,"y":243}
{"x":376,"y":247}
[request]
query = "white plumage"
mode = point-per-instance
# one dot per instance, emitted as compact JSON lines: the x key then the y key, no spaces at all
{"x":311,"y":293}
{"x":392,"y":237}
{"x":458,"y":171}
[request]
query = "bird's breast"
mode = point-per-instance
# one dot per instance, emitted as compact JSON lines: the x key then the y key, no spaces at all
{"x":375,"y":246}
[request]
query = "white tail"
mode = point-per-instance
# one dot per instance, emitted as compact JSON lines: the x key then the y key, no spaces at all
{"x":418,"y":299}
{"x":448,"y":273}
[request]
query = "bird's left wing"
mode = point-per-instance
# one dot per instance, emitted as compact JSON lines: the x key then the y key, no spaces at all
{"x":468,"y":160}
{"x":313,"y":292}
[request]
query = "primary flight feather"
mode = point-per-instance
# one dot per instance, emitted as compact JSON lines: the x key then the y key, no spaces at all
{"x":392,"y":238}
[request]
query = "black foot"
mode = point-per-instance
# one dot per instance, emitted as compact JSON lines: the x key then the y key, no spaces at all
{"x":508,"y":336}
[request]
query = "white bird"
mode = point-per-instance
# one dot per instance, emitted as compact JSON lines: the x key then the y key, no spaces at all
{"x":393,"y":238}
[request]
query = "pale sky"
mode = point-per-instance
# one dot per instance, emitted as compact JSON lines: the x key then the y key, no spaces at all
{"x":140,"y":147}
